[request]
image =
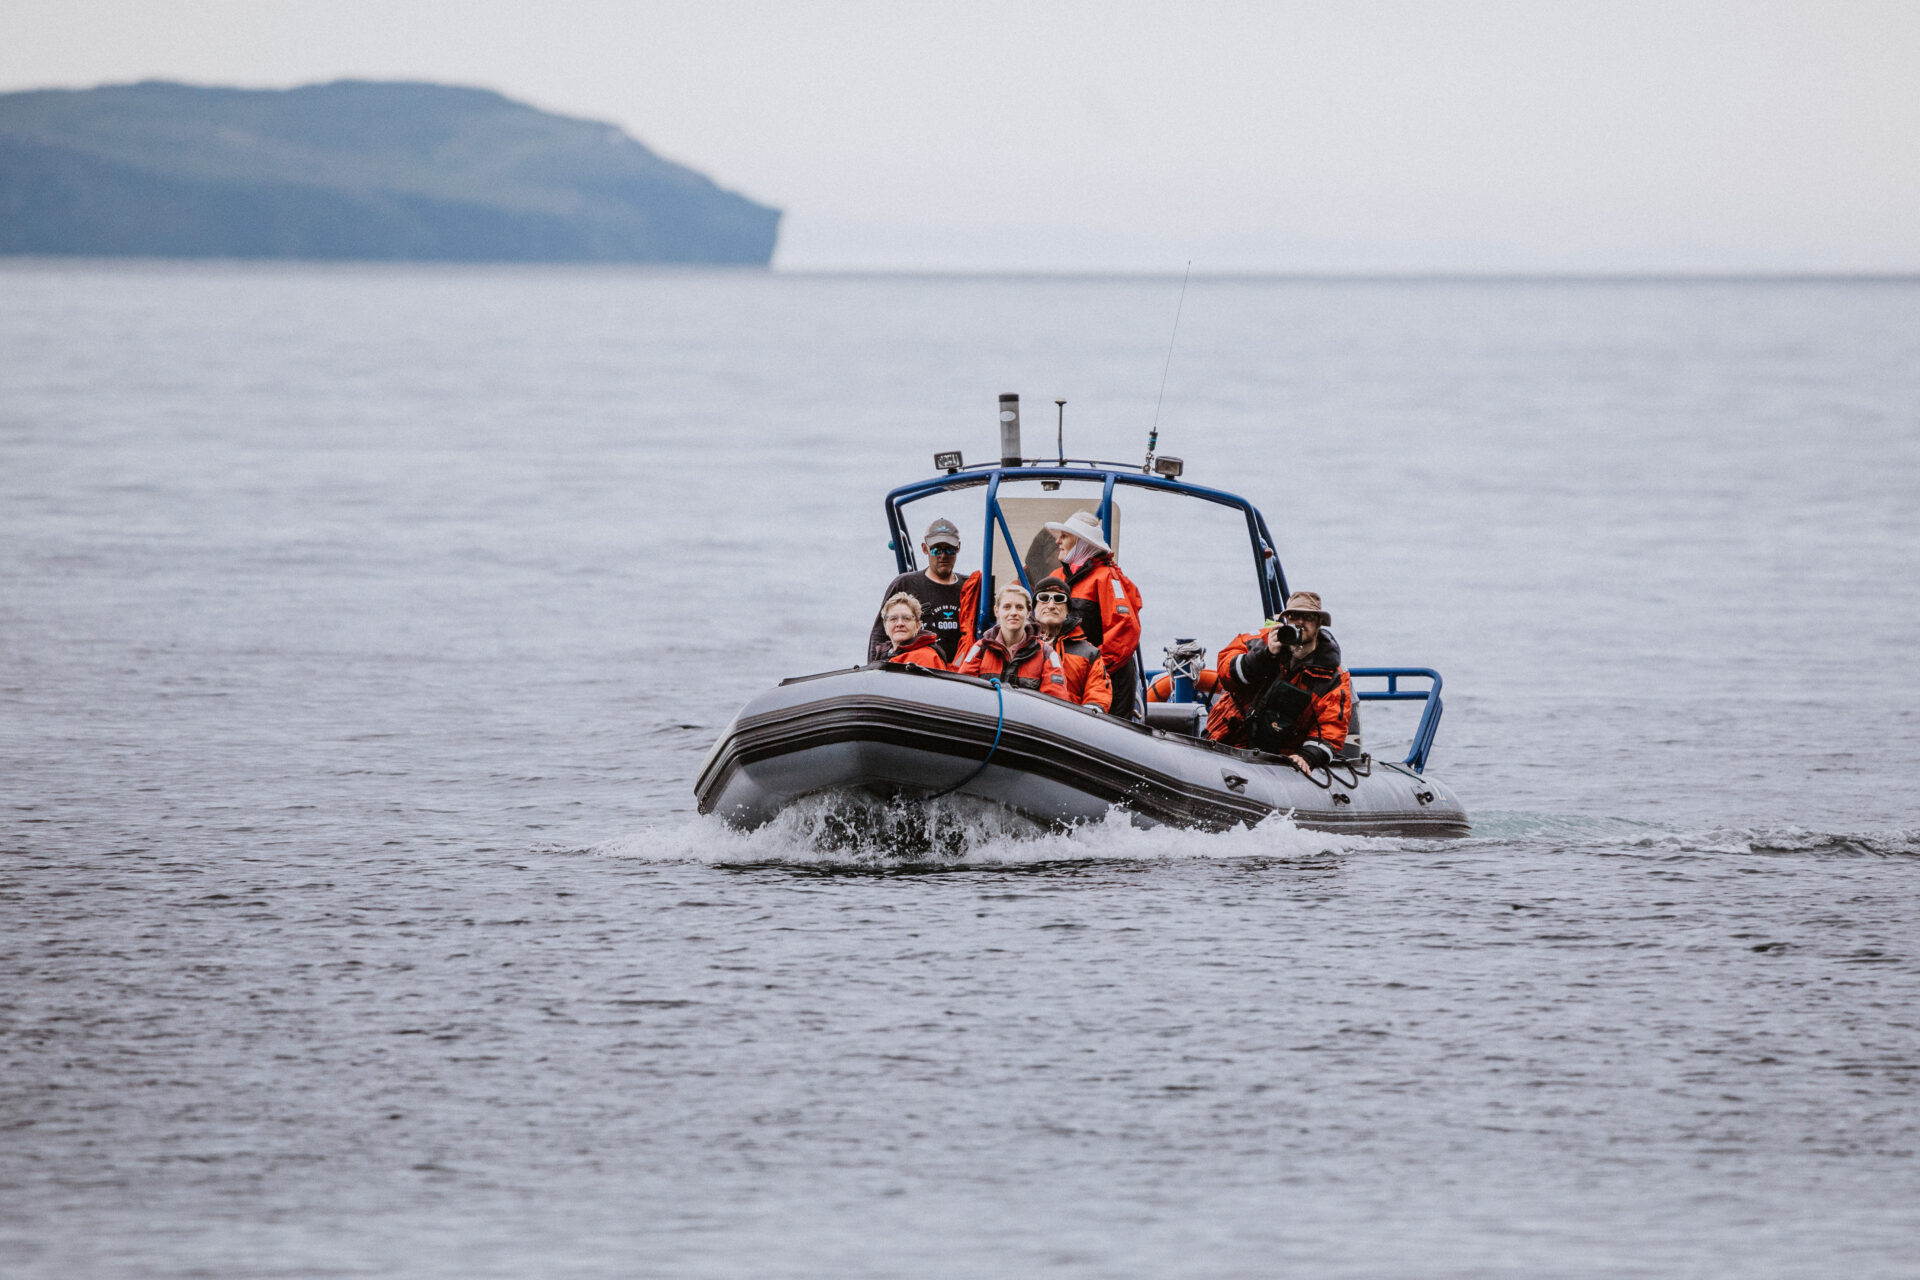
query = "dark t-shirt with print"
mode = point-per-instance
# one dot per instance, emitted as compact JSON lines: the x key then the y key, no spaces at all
{"x":939,"y":613}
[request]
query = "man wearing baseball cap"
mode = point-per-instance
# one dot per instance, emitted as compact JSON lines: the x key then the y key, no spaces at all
{"x":1282,"y":689}
{"x":936,"y":587}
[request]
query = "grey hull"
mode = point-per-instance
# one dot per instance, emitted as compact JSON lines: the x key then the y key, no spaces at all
{"x":907,"y":732}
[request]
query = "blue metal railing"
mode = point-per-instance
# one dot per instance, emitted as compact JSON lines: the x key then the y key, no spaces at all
{"x":1423,"y":733}
{"x":1272,"y":576}
{"x":1429,"y":718}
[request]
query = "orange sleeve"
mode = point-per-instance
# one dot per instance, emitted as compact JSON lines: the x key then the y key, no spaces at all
{"x":1119,"y":621}
{"x":1225,"y":715}
{"x":1098,"y":689}
{"x":1223,"y":665}
{"x":1333,"y":711}
{"x":969,"y":664}
{"x":969,"y":605}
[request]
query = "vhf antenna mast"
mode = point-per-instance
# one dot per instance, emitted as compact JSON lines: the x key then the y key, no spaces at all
{"x":1153,"y":436}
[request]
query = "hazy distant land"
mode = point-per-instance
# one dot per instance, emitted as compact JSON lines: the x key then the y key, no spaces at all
{"x":350,"y":170}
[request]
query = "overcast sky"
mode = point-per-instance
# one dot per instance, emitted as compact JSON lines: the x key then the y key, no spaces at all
{"x":1333,"y":136}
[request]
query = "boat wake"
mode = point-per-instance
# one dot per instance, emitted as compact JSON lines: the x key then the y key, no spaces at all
{"x":857,"y":832}
{"x":1626,"y":836}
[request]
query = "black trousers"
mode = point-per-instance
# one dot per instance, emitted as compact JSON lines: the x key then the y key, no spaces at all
{"x":1126,"y":683}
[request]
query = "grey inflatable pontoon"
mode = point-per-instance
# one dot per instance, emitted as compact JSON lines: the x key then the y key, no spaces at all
{"x":906,"y":732}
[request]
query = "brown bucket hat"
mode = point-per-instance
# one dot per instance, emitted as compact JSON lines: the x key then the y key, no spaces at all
{"x":1308,"y":602}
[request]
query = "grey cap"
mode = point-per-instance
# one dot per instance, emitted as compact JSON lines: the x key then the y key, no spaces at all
{"x":942,"y":531}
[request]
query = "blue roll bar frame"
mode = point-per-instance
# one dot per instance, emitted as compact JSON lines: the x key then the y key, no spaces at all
{"x":1273,"y":577}
{"x":1429,"y":719}
{"x":1266,"y":558}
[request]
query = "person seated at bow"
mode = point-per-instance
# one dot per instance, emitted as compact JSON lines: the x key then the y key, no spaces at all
{"x":909,"y":644}
{"x":1013,"y":651}
{"x":1282,"y":689}
{"x":1087,"y":682}
{"x":1104,"y":600}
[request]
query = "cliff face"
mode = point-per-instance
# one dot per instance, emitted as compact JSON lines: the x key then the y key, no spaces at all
{"x":350,"y":170}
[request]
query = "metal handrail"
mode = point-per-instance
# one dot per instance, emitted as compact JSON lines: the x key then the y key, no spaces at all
{"x":1429,"y":719}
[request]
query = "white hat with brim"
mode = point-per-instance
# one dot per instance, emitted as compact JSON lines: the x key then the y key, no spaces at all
{"x":1083,"y":525}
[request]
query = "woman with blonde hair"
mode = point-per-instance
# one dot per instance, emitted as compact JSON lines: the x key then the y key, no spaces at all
{"x":1013,"y":651}
{"x":909,"y":644}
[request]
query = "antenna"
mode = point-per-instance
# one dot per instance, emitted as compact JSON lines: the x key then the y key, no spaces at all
{"x":1153,"y":436}
{"x":1060,"y":436}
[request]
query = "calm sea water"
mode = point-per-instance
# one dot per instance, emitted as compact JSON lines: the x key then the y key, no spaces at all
{"x":361,"y":632}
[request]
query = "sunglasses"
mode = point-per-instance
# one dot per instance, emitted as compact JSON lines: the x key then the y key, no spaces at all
{"x":1299,"y":617}
{"x":941,"y":550}
{"x":1050,"y":597}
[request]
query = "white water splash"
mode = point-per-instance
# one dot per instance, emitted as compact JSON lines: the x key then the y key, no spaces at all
{"x":856,"y":832}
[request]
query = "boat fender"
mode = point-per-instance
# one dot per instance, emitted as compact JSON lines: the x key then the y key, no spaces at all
{"x":1161,"y":689}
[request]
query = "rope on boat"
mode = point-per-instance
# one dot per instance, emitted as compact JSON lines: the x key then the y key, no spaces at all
{"x":999,"y":725}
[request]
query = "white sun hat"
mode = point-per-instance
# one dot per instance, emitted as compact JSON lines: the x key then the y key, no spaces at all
{"x":1083,"y":525}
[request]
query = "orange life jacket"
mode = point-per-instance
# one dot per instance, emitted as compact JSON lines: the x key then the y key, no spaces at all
{"x":1328,"y":689}
{"x":1108,"y":607}
{"x":1034,"y":665}
{"x":1162,"y":687}
{"x":1087,"y":680}
{"x":921,"y":651}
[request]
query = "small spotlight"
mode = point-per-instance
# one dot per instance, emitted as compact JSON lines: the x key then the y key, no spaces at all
{"x":1168,"y":467}
{"x":949,"y":461}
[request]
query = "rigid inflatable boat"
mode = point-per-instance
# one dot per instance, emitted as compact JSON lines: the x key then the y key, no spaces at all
{"x":906,"y":734}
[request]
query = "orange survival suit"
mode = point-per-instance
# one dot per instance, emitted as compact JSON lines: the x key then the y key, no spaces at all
{"x":921,"y":651}
{"x":1034,"y":665}
{"x":1087,"y":681}
{"x":969,"y":609}
{"x":1262,"y":701}
{"x":1108,"y":607}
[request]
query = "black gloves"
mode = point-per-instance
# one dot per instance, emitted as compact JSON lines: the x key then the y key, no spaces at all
{"x":1315,"y":753}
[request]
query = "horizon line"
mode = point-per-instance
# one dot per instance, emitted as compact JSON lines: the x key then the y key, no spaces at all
{"x":1251,"y":275}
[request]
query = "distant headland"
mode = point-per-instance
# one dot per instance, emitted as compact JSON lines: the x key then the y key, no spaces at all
{"x":353,"y":170}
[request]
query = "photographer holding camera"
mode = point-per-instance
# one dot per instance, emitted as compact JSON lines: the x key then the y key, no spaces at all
{"x":1282,"y":689}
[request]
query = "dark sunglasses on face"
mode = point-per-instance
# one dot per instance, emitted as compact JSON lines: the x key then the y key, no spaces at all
{"x":1299,"y":617}
{"x":1050,"y":597}
{"x":943,"y":551}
